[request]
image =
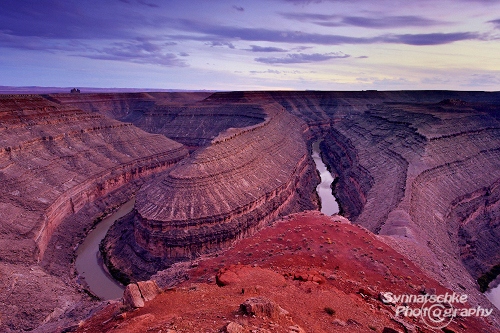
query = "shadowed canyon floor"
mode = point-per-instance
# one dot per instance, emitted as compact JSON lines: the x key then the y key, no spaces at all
{"x":419,"y":168}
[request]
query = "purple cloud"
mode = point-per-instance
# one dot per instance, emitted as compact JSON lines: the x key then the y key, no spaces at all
{"x":364,"y":22}
{"x":217,"y":43}
{"x":136,"y":52}
{"x":149,"y":4}
{"x":269,"y":71}
{"x":298,"y":37}
{"x":431,"y":39}
{"x":496,"y":23}
{"x":298,"y":58}
{"x":256,"y":48}
{"x":239,"y":8}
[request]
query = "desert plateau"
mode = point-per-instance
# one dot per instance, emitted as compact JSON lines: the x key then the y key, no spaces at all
{"x":224,"y":231}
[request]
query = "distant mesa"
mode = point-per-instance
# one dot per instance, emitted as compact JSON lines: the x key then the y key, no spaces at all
{"x":75,"y":91}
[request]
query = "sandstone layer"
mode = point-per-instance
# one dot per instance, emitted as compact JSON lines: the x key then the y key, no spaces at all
{"x":192,"y":119}
{"x":243,"y":181}
{"x":423,"y":167}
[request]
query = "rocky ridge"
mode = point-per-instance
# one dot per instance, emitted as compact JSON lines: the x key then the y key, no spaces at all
{"x":306,"y":273}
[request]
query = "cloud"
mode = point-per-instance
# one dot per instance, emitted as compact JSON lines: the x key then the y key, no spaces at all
{"x":140,"y":52}
{"x":436,"y":80}
{"x":239,"y":8}
{"x":299,"y":37}
{"x":496,"y":23}
{"x":481,"y":80}
{"x":364,"y":22}
{"x":391,"y":2}
{"x":431,"y":39}
{"x":217,"y":43}
{"x":301,"y":48}
{"x":269,"y":71}
{"x":184,"y":54}
{"x":298,"y":58}
{"x":256,"y":48}
{"x":303,"y":2}
{"x":67,"y":20}
{"x":152,"y":5}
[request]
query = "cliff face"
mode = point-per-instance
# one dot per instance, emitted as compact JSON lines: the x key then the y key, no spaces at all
{"x":419,"y":166}
{"x":56,"y":159}
{"x":237,"y":185}
{"x":188,"y":118}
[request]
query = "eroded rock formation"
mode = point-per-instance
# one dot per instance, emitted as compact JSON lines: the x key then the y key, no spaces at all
{"x":258,"y":288}
{"x":243,"y":181}
{"x":54,"y":161}
{"x":187,"y":118}
{"x":419,"y":167}
{"x":422,"y":167}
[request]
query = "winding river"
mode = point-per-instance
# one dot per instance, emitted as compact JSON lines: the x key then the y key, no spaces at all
{"x":329,"y":205}
{"x":89,"y":264}
{"x":88,"y":261}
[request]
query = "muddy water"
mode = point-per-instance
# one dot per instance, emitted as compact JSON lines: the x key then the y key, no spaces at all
{"x":329,"y":205}
{"x":88,"y":262}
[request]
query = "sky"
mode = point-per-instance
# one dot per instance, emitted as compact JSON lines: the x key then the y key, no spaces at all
{"x":251,"y":44}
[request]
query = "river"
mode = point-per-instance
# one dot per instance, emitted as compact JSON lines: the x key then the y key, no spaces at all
{"x":88,"y":262}
{"x":329,"y":205}
{"x":99,"y":281}
{"x":493,"y":294}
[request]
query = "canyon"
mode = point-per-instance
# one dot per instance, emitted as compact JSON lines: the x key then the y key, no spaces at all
{"x":211,"y":171}
{"x":243,"y":181}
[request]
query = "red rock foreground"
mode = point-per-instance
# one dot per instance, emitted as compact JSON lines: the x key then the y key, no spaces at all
{"x":307,"y":273}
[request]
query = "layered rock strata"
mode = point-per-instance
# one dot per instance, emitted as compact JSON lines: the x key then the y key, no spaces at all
{"x":187,"y":118}
{"x":419,"y":166}
{"x":55,"y":161}
{"x":243,"y":181}
{"x":424,"y":172}
{"x":420,"y":171}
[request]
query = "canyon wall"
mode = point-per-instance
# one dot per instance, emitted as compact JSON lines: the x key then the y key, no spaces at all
{"x":192,"y":119}
{"x":243,"y":181}
{"x":55,"y":159}
{"x":422,"y":167}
